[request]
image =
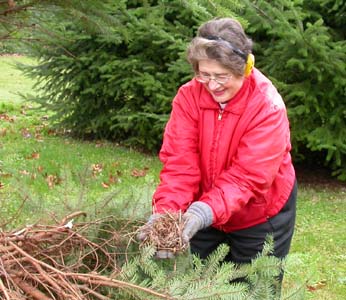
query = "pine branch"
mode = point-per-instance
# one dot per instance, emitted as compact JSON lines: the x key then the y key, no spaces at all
{"x":17,"y":9}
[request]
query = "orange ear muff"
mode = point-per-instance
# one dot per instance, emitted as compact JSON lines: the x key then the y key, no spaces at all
{"x":250,"y":63}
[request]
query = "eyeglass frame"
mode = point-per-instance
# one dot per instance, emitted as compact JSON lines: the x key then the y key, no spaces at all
{"x":207,"y":79}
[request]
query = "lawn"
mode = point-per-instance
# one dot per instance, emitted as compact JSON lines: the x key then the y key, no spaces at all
{"x":12,"y":82}
{"x":45,"y":173}
{"x":53,"y":172}
{"x":319,"y":242}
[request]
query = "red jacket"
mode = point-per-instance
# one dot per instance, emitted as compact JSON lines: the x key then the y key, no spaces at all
{"x":237,"y":160}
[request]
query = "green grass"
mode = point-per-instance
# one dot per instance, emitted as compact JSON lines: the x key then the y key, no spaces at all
{"x":319,"y":243}
{"x":50,"y":173}
{"x":44,"y":175}
{"x":12,"y":82}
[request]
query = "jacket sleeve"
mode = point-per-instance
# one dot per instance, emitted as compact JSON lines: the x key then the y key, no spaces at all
{"x":260,"y":153}
{"x":180,"y":175}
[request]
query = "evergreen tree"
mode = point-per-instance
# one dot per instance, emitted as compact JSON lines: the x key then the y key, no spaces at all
{"x":111,"y":68}
{"x":302,"y":48}
{"x":119,"y":83}
{"x":19,"y":19}
{"x":188,"y":277}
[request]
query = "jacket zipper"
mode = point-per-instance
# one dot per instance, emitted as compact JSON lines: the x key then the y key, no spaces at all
{"x":219,"y":117}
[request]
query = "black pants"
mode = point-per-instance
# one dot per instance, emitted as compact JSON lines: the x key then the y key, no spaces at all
{"x":245,"y":244}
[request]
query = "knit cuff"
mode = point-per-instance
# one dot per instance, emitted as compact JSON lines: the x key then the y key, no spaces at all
{"x":203,"y":211}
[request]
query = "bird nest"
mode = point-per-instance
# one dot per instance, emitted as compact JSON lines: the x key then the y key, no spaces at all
{"x":165,"y":232}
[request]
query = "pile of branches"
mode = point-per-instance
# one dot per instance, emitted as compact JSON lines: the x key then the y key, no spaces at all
{"x":60,"y":262}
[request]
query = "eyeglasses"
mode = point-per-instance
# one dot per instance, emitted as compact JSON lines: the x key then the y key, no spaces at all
{"x":205,"y":78}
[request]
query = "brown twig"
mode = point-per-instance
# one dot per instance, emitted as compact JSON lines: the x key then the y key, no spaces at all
{"x":30,"y":290}
{"x":4,"y":290}
{"x":114,"y":283}
{"x":72,"y":216}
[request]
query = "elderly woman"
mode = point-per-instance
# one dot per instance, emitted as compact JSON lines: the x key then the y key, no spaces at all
{"x":226,"y":151}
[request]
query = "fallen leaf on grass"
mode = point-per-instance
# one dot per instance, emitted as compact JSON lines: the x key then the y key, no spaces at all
{"x":317,"y":286}
{"x":2,"y":185}
{"x":112,"y":179}
{"x":96,"y":168}
{"x":105,"y":185}
{"x":52,"y":132}
{"x":26,"y":106}
{"x":24,"y":172}
{"x":38,"y":137}
{"x":26,"y":133}
{"x":27,"y":173}
{"x":139,"y":173}
{"x":34,"y":155}
{"x":99,"y":144}
{"x":4,"y":117}
{"x":5,"y":175}
{"x":7,"y":118}
{"x":115,"y":164}
{"x":52,"y":180}
{"x":3,"y":131}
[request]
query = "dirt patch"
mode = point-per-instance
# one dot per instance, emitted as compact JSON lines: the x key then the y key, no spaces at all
{"x":319,"y":178}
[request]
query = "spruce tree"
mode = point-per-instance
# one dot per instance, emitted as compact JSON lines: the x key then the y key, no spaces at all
{"x":302,"y":48}
{"x":119,"y":83}
{"x":189,"y":277}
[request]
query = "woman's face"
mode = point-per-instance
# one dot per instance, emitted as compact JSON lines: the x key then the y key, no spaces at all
{"x":210,"y":72}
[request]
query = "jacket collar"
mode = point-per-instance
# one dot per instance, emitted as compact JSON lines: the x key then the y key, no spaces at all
{"x":236,"y":105}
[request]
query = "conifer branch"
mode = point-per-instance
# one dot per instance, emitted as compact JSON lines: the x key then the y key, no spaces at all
{"x":16,"y":9}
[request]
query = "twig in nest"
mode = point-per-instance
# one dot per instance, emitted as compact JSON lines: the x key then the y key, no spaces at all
{"x":165,"y":233}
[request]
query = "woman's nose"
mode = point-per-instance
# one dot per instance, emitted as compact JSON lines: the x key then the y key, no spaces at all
{"x":212,"y":84}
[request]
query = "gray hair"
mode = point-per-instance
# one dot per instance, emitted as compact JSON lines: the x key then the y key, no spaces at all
{"x":223,"y":40}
